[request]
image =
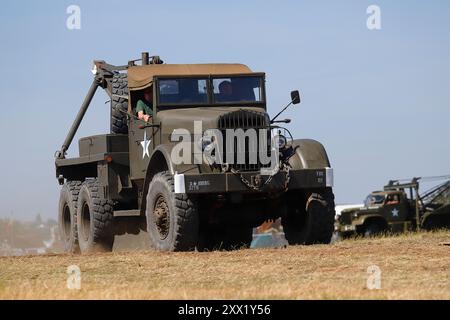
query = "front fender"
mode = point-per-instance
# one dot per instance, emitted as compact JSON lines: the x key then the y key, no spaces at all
{"x":162,"y":153}
{"x":161,"y":160}
{"x":364,"y":218}
{"x":309,"y":154}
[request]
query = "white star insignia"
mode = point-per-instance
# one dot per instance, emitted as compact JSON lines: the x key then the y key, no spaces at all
{"x":395,"y":213}
{"x":145,"y":144}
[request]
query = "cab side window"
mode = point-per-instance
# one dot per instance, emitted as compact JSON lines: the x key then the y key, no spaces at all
{"x":143,"y":104}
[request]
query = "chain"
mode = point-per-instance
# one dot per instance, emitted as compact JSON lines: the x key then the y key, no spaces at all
{"x":245,"y":181}
{"x":287,"y":169}
{"x":284,"y":167}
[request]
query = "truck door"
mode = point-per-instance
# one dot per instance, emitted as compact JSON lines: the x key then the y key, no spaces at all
{"x":141,"y":147}
{"x":396,"y":211}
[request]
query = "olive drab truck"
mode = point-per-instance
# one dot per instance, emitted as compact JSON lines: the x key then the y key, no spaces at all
{"x":142,"y":175}
{"x":399,"y":208}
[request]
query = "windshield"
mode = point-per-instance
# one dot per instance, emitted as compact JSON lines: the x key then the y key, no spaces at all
{"x":212,"y":91}
{"x":237,"y":89}
{"x":374,"y":199}
{"x":183,"y":91}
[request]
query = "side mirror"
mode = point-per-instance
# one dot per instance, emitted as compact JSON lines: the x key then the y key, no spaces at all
{"x":295,"y":97}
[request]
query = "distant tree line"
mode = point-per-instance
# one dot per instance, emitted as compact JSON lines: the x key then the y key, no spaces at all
{"x":29,"y":234}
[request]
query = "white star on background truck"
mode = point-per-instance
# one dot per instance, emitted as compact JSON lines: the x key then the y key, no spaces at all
{"x":395,"y":213}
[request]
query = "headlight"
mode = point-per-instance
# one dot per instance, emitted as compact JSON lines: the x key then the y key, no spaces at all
{"x":282,"y":141}
{"x":205,"y":142}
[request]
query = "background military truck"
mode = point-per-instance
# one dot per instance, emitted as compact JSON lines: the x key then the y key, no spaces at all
{"x":398,"y":208}
{"x":126,"y":181}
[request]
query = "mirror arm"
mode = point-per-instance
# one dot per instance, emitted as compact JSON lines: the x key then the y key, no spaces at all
{"x":282,"y":121}
{"x":278,"y":114}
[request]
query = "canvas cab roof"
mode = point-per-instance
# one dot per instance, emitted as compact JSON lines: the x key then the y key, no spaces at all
{"x":140,"y":77}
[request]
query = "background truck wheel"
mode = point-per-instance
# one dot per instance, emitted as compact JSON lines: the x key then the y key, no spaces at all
{"x":373,"y":229}
{"x":172,"y":219}
{"x":94,"y":219}
{"x":434,"y":222}
{"x":67,"y":214}
{"x":312,"y":220}
{"x":119,"y":105}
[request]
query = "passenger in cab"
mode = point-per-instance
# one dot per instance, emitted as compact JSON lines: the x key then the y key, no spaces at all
{"x":144,"y":106}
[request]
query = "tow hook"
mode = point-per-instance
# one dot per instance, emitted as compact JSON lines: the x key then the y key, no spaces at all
{"x":257,"y":181}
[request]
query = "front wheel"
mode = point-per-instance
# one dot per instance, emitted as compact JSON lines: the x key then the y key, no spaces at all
{"x":310,"y":219}
{"x":172,"y":219}
{"x":373,"y":229}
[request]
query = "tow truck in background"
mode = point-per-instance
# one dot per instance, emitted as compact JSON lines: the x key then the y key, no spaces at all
{"x":399,"y":207}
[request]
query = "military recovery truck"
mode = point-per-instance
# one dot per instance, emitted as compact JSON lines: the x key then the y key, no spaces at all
{"x":398,"y":208}
{"x":131,"y":179}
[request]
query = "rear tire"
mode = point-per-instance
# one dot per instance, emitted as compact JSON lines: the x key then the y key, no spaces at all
{"x":312,"y":223}
{"x":119,"y":105}
{"x":436,"y":222}
{"x":94,"y":219}
{"x":172,"y":219}
{"x":67,"y":216}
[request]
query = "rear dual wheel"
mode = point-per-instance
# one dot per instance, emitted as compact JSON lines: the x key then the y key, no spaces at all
{"x":67,"y":216}
{"x":94,"y":219}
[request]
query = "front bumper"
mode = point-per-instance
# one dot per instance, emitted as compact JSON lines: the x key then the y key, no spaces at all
{"x":348,"y":228}
{"x":229,"y":182}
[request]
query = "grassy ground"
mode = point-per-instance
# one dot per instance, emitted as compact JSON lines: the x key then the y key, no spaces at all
{"x":413,"y":266}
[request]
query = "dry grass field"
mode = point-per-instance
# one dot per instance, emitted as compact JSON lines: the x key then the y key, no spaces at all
{"x":413,"y":266}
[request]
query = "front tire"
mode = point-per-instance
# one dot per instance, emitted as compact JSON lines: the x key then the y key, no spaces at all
{"x":310,"y":221}
{"x":373,"y":229}
{"x":94,"y":219}
{"x":172,"y":219}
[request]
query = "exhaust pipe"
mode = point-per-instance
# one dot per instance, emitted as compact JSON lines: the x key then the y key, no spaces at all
{"x":145,"y":58}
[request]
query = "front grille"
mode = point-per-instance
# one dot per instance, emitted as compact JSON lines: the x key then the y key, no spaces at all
{"x":345,"y":218}
{"x":244,"y":119}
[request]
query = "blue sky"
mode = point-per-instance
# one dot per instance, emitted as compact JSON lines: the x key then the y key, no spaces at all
{"x":378,"y":100}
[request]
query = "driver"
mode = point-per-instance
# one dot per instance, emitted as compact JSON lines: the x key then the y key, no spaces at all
{"x":393,"y":199}
{"x":225,"y":91}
